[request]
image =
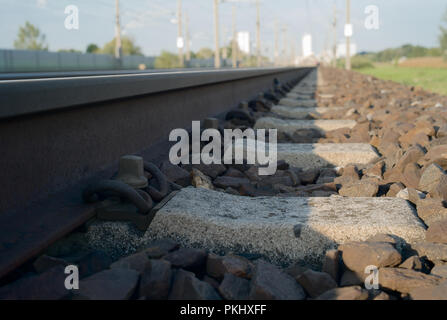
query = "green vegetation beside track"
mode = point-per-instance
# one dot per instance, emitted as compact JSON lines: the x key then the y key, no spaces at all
{"x":431,"y":79}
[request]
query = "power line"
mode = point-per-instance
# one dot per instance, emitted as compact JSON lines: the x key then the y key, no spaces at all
{"x":308,"y":16}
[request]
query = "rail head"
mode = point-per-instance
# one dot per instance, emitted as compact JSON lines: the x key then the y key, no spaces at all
{"x":46,"y":92}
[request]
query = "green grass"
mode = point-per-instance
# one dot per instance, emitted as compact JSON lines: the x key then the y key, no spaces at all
{"x":431,"y":79}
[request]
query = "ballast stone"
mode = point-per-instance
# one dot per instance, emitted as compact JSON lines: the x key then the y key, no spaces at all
{"x":290,"y":126}
{"x":284,"y":230}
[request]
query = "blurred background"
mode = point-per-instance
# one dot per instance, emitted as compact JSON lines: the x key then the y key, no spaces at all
{"x":401,"y":40}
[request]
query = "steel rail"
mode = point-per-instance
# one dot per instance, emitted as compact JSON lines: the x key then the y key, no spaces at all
{"x":24,"y":96}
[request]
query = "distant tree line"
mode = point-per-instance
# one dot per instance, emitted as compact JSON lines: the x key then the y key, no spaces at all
{"x":31,"y":38}
{"x":407,"y":50}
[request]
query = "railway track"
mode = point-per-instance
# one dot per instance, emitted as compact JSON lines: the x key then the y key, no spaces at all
{"x":62,"y":131}
{"x":354,"y":210}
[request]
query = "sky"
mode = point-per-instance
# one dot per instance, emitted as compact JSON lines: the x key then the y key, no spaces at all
{"x":150,"y":22}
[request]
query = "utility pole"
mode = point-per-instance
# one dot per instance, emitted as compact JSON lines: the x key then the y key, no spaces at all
{"x":334,"y":25}
{"x":180,"y":41}
{"x":258,"y":34}
{"x":284,"y":55}
{"x":188,"y":49}
{"x":276,"y":43}
{"x":118,"y":47}
{"x":216,"y":35}
{"x":234,"y":42}
{"x":348,"y":37}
